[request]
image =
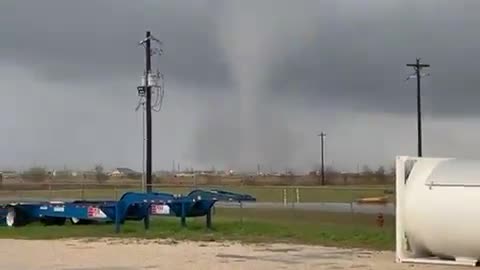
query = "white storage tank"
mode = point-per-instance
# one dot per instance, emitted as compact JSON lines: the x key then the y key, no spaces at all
{"x":438,"y":210}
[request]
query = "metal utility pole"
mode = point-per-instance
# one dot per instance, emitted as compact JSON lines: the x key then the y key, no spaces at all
{"x":322,"y":136}
{"x":418,"y":67}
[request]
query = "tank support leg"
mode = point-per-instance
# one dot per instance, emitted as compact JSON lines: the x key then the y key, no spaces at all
{"x":184,"y":223}
{"x":146,"y":219}
{"x":209,"y":218}
{"x":117,"y":219}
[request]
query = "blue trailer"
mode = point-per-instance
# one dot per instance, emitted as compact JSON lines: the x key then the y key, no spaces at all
{"x":131,"y":206}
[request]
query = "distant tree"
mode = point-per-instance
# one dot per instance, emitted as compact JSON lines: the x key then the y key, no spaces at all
{"x":134,"y":175}
{"x":100,"y":175}
{"x":35,"y":174}
{"x":65,"y":174}
{"x":366,"y":170}
{"x":331,"y":170}
{"x":381,"y":175}
{"x":380,"y":171}
{"x":392,"y":171}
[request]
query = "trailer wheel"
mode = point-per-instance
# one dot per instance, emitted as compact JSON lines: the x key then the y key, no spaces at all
{"x":53,"y":221}
{"x":15,"y":217}
{"x":78,"y":221}
{"x":10,"y":219}
{"x":75,"y":220}
{"x":60,"y":221}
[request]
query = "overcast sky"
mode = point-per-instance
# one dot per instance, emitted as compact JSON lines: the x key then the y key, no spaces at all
{"x":247,"y":82}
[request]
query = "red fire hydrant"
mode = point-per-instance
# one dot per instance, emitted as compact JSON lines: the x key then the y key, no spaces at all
{"x":380,"y":220}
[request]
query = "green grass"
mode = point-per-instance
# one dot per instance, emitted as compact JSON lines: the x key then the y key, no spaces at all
{"x":245,"y":225}
{"x":263,"y":194}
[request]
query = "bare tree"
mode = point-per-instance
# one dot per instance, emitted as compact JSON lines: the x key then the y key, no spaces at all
{"x":100,"y":175}
{"x":366,"y":170}
{"x":380,"y":171}
{"x":35,"y":174}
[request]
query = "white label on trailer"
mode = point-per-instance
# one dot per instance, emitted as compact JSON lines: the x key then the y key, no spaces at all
{"x":58,"y":208}
{"x":43,"y":207}
{"x":160,"y":209}
{"x":95,"y":212}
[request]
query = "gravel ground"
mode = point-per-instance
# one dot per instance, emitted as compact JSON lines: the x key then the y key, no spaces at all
{"x":132,"y":254}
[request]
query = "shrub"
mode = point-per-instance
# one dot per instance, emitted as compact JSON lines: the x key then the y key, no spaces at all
{"x":35,"y":174}
{"x":100,"y":175}
{"x":135,"y":176}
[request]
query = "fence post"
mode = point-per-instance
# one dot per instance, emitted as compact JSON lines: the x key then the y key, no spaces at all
{"x":50,"y":190}
{"x":115,"y":192}
{"x":284,"y":197}
{"x":83,"y":191}
{"x":351,"y":201}
{"x":241,"y":213}
{"x":297,"y":191}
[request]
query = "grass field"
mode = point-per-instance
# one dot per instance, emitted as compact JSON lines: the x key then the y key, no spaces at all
{"x":246,"y":225}
{"x":263,"y":194}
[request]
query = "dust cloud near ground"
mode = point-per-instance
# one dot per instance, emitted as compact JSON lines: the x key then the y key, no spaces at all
{"x":132,"y":254}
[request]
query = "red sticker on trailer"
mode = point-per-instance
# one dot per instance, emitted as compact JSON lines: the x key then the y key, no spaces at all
{"x":95,"y":212}
{"x":160,"y":209}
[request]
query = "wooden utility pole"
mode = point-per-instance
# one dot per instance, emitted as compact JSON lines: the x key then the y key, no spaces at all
{"x":322,"y":136}
{"x":418,"y":67}
{"x":148,"y":108}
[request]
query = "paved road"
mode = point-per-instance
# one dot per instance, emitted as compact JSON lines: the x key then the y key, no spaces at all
{"x":387,"y":209}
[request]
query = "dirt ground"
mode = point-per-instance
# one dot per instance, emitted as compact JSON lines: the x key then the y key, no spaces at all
{"x":132,"y":254}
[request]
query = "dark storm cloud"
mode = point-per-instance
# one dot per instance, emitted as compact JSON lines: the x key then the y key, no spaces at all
{"x":246,"y":79}
{"x":97,"y":40}
{"x":359,"y":61}
{"x":354,"y":54}
{"x":340,"y":55}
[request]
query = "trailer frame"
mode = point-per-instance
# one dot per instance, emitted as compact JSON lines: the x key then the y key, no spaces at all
{"x":131,"y":206}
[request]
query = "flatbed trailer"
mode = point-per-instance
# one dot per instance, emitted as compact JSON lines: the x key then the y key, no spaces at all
{"x":131,"y":206}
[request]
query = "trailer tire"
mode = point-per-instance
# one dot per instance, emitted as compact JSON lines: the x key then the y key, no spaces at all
{"x":60,"y":221}
{"x":77,"y":221}
{"x":14,"y":218}
{"x":10,"y":218}
{"x":53,"y":221}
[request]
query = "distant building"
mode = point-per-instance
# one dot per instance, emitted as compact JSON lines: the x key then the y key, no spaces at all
{"x":184,"y":175}
{"x":7,"y":174}
{"x":122,"y":172}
